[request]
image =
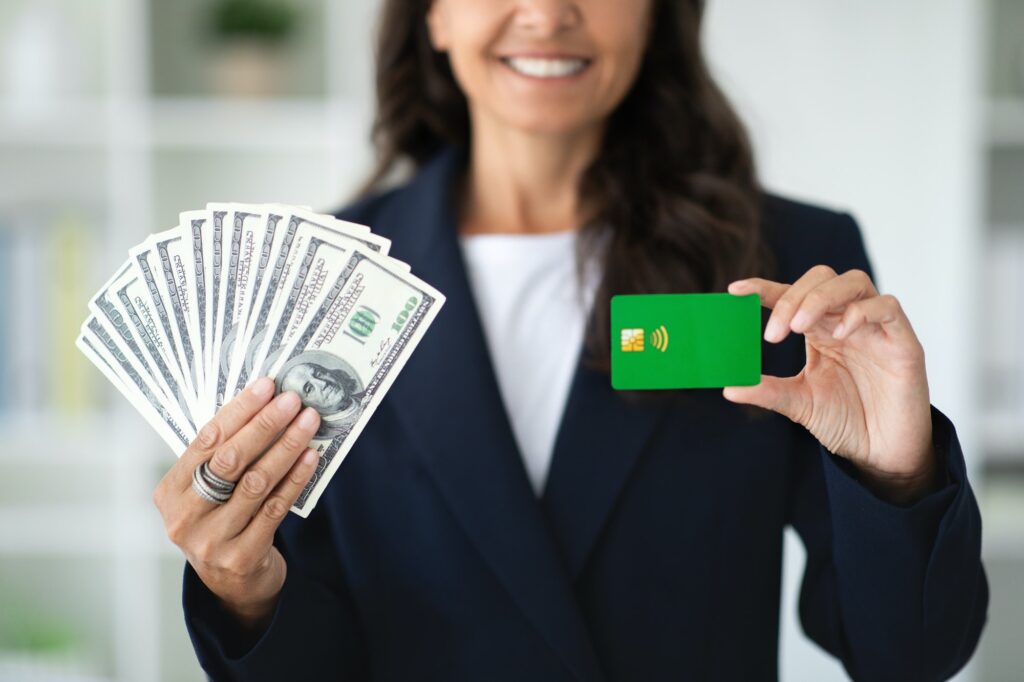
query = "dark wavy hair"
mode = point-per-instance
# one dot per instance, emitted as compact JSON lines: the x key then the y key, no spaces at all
{"x":674,"y":178}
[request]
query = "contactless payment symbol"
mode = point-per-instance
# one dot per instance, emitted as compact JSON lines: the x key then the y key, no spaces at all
{"x":659,"y":338}
{"x":632,"y":340}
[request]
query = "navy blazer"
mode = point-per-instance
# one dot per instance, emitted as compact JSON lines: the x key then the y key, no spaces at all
{"x":655,"y":552}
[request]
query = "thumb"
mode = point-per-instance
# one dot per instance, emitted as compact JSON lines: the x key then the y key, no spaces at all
{"x":780,"y":394}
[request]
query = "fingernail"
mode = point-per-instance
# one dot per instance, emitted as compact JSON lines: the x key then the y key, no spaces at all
{"x":770,"y":330}
{"x":288,"y":401}
{"x":309,"y":457}
{"x":308,"y":418}
{"x":838,"y":331}
{"x":800,"y":320}
{"x":262,"y":387}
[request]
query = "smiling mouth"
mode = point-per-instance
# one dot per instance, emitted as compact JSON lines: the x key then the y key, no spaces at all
{"x":538,"y":67}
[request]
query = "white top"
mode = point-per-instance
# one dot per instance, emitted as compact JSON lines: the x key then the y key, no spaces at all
{"x":533,"y":313}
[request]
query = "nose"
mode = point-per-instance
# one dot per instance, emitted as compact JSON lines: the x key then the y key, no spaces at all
{"x":547,"y":17}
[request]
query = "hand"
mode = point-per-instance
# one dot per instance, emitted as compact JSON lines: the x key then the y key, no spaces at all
{"x":863,"y":392}
{"x":230,"y":546}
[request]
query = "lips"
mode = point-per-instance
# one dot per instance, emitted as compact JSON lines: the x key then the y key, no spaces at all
{"x":547,"y":67}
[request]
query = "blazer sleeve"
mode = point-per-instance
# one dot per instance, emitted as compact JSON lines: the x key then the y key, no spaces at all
{"x":313,"y":633}
{"x":896,"y":592}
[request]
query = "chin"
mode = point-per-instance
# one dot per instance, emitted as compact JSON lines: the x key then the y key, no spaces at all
{"x":551,"y":121}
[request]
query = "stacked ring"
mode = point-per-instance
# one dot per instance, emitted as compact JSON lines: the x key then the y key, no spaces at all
{"x":209,"y":486}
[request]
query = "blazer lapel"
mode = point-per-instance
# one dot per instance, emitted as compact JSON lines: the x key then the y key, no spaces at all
{"x":599,"y":441}
{"x":448,"y":398}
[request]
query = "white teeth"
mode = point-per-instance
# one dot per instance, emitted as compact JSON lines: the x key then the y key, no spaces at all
{"x":546,"y":68}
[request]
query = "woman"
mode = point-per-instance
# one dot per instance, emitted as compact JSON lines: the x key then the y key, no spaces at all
{"x":506,"y":515}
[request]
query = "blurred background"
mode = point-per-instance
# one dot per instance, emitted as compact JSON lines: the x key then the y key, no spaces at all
{"x":117,"y":114}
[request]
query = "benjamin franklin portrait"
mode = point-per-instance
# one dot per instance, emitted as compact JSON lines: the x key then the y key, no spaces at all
{"x":328,"y":384}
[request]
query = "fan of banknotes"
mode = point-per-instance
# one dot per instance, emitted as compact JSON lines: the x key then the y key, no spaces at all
{"x":240,"y":291}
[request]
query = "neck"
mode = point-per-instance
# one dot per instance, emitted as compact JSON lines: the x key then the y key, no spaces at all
{"x":524,"y":183}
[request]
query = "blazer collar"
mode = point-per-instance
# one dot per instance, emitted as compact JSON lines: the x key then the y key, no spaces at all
{"x":463,"y":435}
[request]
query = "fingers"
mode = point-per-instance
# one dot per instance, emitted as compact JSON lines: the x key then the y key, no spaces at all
{"x":260,"y":531}
{"x":262,"y":477}
{"x":789,"y":396}
{"x":833,"y":295}
{"x":225,"y":424}
{"x":787,"y":305}
{"x":232,"y":458}
{"x":885,"y":311}
{"x":798,"y":307}
{"x":770,"y":291}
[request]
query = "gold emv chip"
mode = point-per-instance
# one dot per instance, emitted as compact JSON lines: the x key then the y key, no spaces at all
{"x":632,"y":340}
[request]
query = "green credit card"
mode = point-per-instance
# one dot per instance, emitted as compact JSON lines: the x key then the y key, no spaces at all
{"x":686,"y":341}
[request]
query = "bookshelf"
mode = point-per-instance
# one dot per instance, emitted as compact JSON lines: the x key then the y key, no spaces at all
{"x":1000,"y":337}
{"x":1001,"y":293}
{"x":1006,"y":122}
{"x":110,"y":126}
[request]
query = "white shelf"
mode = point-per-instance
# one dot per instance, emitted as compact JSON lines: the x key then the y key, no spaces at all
{"x":203,"y":123}
{"x":1006,"y":122}
{"x":42,"y":436}
{"x":184,"y":123}
{"x":73,"y":124}
{"x":83,"y":531}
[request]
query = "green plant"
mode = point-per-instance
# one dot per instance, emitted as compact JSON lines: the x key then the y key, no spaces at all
{"x":271,"y":21}
{"x":24,"y":629}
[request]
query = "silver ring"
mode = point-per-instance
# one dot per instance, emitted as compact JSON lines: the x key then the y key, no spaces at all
{"x":213,"y":479}
{"x":205,"y":491}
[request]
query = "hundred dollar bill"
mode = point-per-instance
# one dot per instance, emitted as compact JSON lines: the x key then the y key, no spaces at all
{"x":277,"y":230}
{"x":102,"y":346}
{"x":90,"y":351}
{"x":101,"y":305}
{"x":103,"y":333}
{"x":243,"y":232}
{"x":131,"y":297}
{"x":173,"y":253}
{"x":239,"y":290}
{"x":350,"y":352}
{"x":320,"y":264}
{"x":261,"y":260}
{"x":274,"y":233}
{"x":131,"y":394}
{"x":296,"y":228}
{"x":147,"y":265}
{"x":114,"y":307}
{"x":212,"y":250}
{"x":306,"y":219}
{"x":191,"y":224}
